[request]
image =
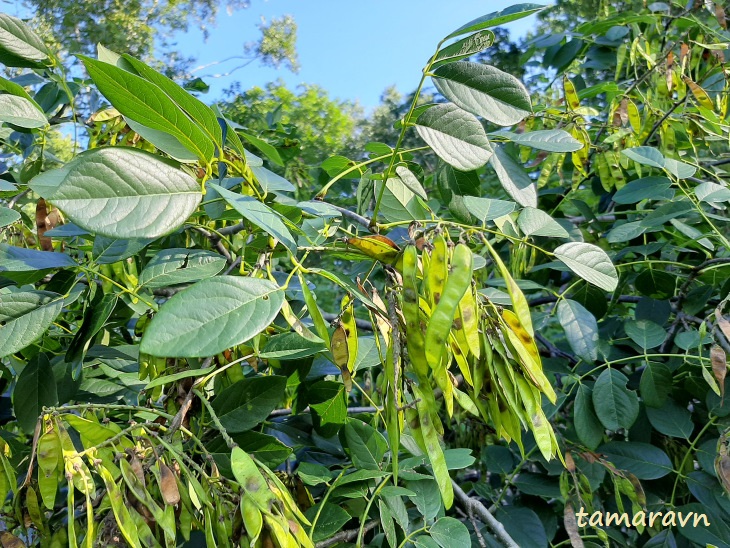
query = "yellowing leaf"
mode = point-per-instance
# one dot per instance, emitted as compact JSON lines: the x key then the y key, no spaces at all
{"x":376,"y":246}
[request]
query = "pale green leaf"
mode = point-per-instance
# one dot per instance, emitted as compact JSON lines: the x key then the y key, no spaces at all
{"x":259,"y":214}
{"x":589,"y":262}
{"x":455,"y":135}
{"x":535,"y":222}
{"x":21,"y":112}
{"x":513,"y":178}
{"x":122,"y":192}
{"x":25,"y":316}
{"x":581,"y":329}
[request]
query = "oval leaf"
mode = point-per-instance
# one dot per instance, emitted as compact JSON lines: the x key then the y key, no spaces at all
{"x":455,"y":135}
{"x":581,"y":329}
{"x":552,"y":140}
{"x":484,"y":91}
{"x":211,"y":316}
{"x":514,"y":179}
{"x":179,"y":266}
{"x":25,"y":316}
{"x":126,"y":193}
{"x":21,"y":112}
{"x":590,"y":263}
{"x":616,"y":406}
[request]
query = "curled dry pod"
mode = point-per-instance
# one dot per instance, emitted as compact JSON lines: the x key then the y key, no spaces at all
{"x":136,"y":465}
{"x":168,"y":486}
{"x":8,"y":540}
{"x":719,"y":366}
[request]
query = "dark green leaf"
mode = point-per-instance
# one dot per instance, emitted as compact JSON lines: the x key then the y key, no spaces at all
{"x":656,"y":384}
{"x":645,"y":333}
{"x":8,"y":216}
{"x":587,"y":426}
{"x":246,"y":403}
{"x":450,"y":533}
{"x":290,"y":346}
{"x":331,"y":519}
{"x":35,"y":389}
{"x":645,"y":461}
{"x":671,"y":419}
{"x":616,"y":406}
{"x":367,"y":446}
{"x":19,"y":45}
{"x":111,"y":250}
{"x":96,"y":314}
{"x":647,"y":188}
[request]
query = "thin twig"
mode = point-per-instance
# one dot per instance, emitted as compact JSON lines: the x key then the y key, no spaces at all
{"x":350,"y":411}
{"x":216,"y":421}
{"x":473,"y":506}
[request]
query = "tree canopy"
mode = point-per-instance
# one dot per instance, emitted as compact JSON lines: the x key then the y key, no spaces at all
{"x":501,"y":323}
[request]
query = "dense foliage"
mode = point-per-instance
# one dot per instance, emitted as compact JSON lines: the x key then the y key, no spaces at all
{"x":509,"y":313}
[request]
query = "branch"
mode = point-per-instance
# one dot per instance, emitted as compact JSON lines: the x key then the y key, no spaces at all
{"x":352,"y":215}
{"x":215,"y":241}
{"x":476,"y":508}
{"x":350,"y":411}
{"x":344,"y":536}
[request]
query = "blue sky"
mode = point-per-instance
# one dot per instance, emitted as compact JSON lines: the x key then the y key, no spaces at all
{"x":354,"y":49}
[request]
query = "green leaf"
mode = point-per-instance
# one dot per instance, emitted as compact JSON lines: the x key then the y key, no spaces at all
{"x":146,"y":103}
{"x":21,"y":112}
{"x":211,"y":316}
{"x":35,"y":389}
{"x":646,"y":156}
{"x":387,"y":523}
{"x":270,"y":181}
{"x":616,"y":406}
{"x":96,"y":314}
{"x":450,"y":533}
{"x":645,"y":461}
{"x":539,"y":485}
{"x":535,"y":222}
{"x":647,"y":188}
{"x":680,"y":170}
{"x":329,"y":401}
{"x":8,"y":216}
{"x":19,"y":45}
{"x":201,"y":113}
{"x":497,"y":18}
{"x":589,"y":429}
{"x":268,"y":150}
{"x":455,"y":135}
{"x":513,"y":178}
{"x":246,"y":403}
{"x":466,"y":47}
{"x":122,"y":192}
{"x":331,"y":519}
{"x":25,"y":316}
{"x":656,"y":384}
{"x":169,"y":144}
{"x":20,"y":259}
{"x":666,"y":212}
{"x":111,"y":250}
{"x":166,"y":379}
{"x":180,"y":266}
{"x":523,"y":525}
{"x":711,"y":192}
{"x":367,"y":446}
{"x":399,"y":202}
{"x":411,"y":181}
{"x":645,"y":333}
{"x":589,"y":262}
{"x":581,"y":329}
{"x":671,"y":420}
{"x":456,"y":459}
{"x":484,"y":91}
{"x":259,"y":214}
{"x":551,"y":140}
{"x":291,"y":346}
{"x":486,"y":209}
